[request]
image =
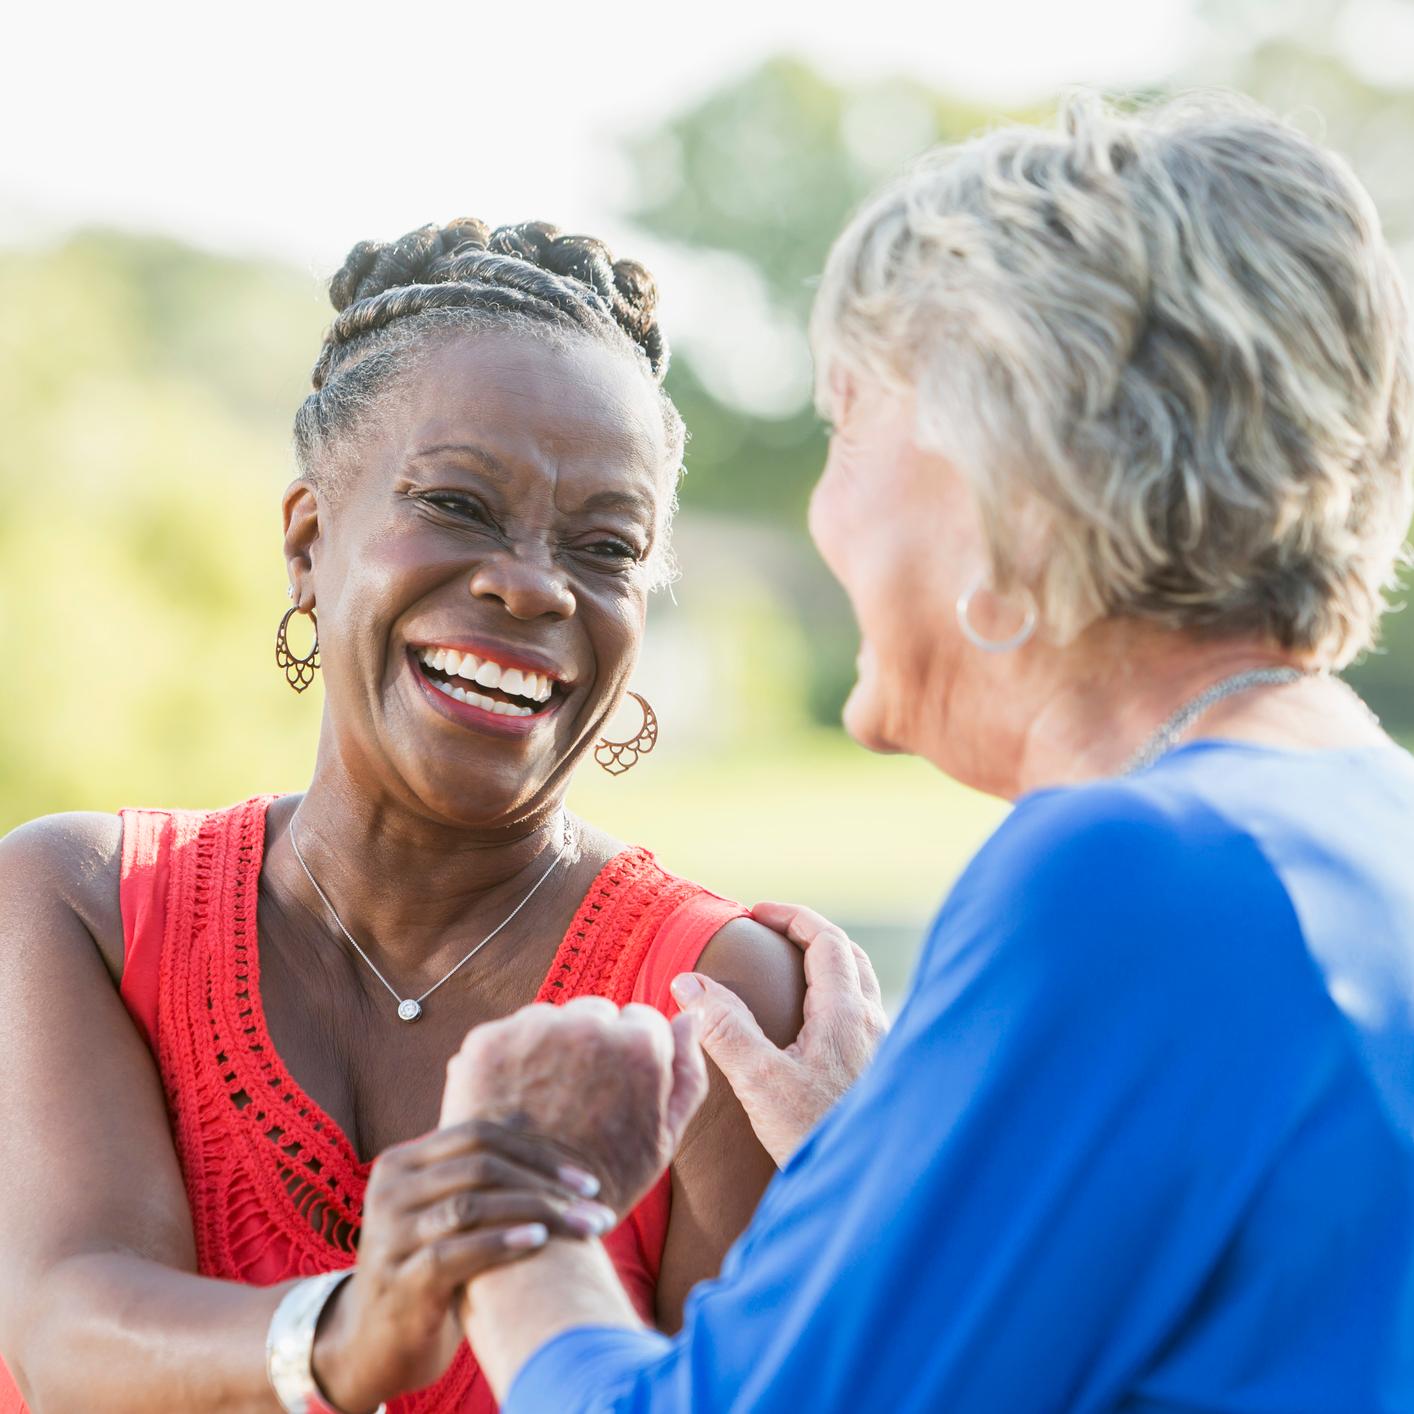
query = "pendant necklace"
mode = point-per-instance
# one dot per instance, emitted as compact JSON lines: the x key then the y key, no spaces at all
{"x":1172,"y":731}
{"x":410,"y":1008}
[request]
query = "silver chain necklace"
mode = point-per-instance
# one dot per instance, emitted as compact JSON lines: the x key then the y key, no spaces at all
{"x":1172,"y":731}
{"x":410,"y":1008}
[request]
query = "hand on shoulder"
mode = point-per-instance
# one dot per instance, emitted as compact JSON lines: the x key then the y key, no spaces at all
{"x":790,"y":1012}
{"x":764,"y":969}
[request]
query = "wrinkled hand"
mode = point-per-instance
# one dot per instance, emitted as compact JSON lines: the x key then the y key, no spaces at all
{"x":438,"y":1211}
{"x":786,"y":1092}
{"x":613,"y":1090}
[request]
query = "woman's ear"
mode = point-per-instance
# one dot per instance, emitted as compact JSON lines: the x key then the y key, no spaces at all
{"x":301,"y":513}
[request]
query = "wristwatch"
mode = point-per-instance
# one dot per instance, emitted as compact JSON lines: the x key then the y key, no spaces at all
{"x":289,"y":1345}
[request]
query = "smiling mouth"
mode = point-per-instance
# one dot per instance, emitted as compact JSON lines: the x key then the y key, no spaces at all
{"x":483,"y":683}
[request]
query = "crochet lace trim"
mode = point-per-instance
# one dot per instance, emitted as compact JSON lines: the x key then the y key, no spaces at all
{"x":269,"y":1173}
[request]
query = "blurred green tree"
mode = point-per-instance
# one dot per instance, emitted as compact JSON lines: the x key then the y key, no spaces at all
{"x":765,"y":171}
{"x":1344,"y":71}
{"x":146,"y":390}
{"x":759,"y":178}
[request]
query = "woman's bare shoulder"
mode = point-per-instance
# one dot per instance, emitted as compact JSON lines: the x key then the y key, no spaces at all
{"x":67,"y":862}
{"x":764,"y":969}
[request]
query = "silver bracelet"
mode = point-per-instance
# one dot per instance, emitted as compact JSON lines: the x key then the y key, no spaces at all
{"x":289,"y":1345}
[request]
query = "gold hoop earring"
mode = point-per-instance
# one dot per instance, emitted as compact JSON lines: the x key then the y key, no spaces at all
{"x":299,"y":672}
{"x":616,"y":757}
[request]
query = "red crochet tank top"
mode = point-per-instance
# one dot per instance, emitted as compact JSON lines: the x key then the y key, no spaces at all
{"x":275,"y":1187}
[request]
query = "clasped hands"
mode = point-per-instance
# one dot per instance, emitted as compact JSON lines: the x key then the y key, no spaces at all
{"x":556,"y":1121}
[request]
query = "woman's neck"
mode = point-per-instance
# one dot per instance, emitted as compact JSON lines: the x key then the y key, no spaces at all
{"x":407,"y":882}
{"x":1082,"y":712}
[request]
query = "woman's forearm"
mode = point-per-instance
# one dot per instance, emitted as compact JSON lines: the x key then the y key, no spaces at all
{"x":510,"y":1312}
{"x":115,"y":1332}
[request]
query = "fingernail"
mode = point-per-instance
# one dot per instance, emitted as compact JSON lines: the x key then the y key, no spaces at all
{"x":585,"y":1184}
{"x":594,"y":1218}
{"x":529,"y":1235}
{"x":686,"y":989}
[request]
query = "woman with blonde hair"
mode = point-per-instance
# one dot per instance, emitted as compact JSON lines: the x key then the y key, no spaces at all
{"x":1119,"y":475}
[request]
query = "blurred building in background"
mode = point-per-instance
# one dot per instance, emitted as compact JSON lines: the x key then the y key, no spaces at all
{"x":146,"y":391}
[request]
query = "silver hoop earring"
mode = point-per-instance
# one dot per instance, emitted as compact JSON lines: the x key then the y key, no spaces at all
{"x":994,"y":645}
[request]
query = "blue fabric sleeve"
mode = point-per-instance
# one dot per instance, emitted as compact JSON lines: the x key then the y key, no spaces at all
{"x":1008,"y":1211}
{"x":591,"y":1362}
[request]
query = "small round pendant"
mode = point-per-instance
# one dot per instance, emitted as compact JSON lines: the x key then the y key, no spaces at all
{"x":409,"y":1010}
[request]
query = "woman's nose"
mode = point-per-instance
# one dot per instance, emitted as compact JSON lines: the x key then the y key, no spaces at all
{"x":529,"y":587}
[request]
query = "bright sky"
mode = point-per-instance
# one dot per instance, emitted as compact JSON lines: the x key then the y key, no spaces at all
{"x":298,"y":127}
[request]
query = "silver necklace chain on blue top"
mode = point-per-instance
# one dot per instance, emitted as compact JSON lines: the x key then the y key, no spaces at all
{"x":410,"y":1008}
{"x":1171,"y":732}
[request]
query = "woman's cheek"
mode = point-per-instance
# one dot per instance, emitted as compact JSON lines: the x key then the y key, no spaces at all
{"x":827,"y":517}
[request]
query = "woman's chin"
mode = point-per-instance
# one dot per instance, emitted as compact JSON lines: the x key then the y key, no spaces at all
{"x":866,"y":723}
{"x":497,"y":796}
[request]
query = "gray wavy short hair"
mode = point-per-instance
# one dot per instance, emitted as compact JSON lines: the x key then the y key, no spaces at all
{"x":1170,"y":351}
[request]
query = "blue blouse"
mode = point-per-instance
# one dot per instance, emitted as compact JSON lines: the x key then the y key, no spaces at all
{"x":1142,"y":1138}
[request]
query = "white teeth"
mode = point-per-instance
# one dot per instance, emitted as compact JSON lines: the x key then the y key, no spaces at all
{"x":538,"y":687}
{"x":535,"y":686}
{"x":486,"y":704}
{"x":475,"y":699}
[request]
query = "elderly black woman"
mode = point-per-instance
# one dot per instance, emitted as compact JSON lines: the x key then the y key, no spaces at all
{"x":488,"y":467}
{"x":1119,"y":473}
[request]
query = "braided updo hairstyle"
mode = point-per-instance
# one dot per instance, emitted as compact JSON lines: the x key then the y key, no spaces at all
{"x":394,"y":300}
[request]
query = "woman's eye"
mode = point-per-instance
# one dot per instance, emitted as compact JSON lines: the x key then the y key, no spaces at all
{"x":462,"y":506}
{"x":613,"y":550}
